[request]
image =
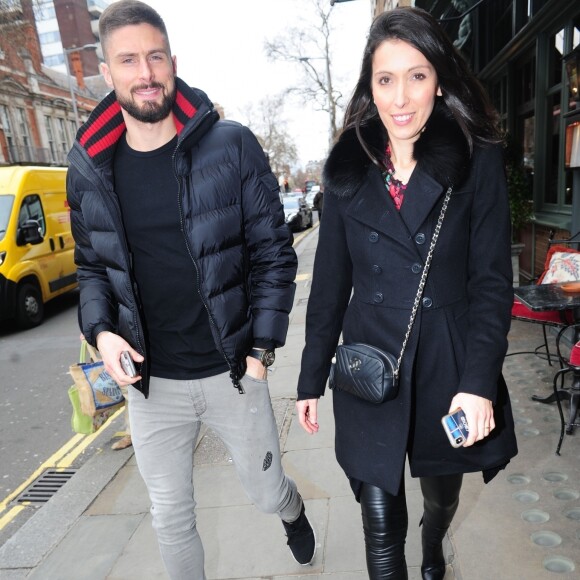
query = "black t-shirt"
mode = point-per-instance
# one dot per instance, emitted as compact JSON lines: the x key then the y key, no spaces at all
{"x":177,"y":324}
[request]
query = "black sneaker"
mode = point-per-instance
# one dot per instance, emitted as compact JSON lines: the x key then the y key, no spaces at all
{"x":301,"y":539}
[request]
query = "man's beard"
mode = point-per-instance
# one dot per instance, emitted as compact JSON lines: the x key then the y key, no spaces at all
{"x":149,"y":112}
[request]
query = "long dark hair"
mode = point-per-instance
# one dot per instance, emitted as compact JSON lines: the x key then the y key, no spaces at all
{"x":463,"y":95}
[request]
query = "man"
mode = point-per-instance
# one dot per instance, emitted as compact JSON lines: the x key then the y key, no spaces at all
{"x":184,"y":261}
{"x":317,"y":202}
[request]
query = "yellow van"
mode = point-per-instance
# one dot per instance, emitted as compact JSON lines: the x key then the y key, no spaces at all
{"x":36,"y":243}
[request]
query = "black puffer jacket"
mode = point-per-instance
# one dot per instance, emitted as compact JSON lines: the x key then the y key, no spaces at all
{"x":232,"y":220}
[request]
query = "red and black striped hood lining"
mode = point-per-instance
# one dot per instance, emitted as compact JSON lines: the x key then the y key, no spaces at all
{"x":106,"y":125}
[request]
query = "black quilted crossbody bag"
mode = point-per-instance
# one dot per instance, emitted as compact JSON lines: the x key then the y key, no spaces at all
{"x":368,"y":372}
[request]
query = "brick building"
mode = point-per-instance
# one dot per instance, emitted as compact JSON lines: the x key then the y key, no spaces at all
{"x":37,"y":120}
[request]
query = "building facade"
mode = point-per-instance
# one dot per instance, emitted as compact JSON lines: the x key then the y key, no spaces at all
{"x":37,"y":119}
{"x":66,"y":24}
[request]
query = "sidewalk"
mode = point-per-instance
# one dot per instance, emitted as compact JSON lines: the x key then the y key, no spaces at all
{"x":98,"y":525}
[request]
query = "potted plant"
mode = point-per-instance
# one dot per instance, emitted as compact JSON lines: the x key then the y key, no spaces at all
{"x":521,"y":206}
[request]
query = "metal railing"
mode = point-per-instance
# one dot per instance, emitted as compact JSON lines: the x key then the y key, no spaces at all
{"x":27,"y":154}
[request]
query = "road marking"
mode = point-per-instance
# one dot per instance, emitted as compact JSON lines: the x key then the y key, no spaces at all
{"x":303,"y":234}
{"x":61,"y":459}
{"x":4,"y":521}
{"x":88,"y":439}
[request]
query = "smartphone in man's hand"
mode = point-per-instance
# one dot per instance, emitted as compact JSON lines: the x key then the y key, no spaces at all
{"x":128,"y":365}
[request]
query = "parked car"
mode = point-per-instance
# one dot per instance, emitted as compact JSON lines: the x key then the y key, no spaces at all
{"x":309,"y":197}
{"x":297,"y":212}
{"x":309,"y":184}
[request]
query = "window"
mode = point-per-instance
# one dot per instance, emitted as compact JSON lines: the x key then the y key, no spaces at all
{"x":555,"y":60}
{"x":527,"y":76}
{"x":61,"y":131}
{"x":43,"y":10}
{"x":575,"y":42}
{"x":22,"y":121}
{"x":501,"y":14}
{"x":8,"y":132}
{"x":50,"y":137}
{"x":54,"y":60}
{"x":528,"y":142}
{"x":498,"y":96}
{"x":31,"y":209}
{"x":557,"y":183}
{"x":6,"y":202}
{"x":49,"y":37}
{"x":553,"y":148}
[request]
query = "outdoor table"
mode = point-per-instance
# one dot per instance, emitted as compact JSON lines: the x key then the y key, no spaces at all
{"x":542,"y":297}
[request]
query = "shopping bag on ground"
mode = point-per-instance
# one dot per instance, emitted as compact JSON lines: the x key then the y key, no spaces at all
{"x":99,"y":396}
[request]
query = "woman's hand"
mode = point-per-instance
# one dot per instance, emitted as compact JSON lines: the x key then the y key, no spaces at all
{"x":478,"y":413}
{"x":307,"y":415}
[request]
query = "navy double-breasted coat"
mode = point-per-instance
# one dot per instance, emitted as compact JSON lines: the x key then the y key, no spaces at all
{"x":368,"y":264}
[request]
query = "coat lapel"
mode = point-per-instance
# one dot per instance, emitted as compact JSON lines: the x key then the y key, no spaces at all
{"x":373,"y":207}
{"x":421,"y":196}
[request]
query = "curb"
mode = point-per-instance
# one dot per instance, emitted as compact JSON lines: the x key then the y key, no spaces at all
{"x":45,"y":529}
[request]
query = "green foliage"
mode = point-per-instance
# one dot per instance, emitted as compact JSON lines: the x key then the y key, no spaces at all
{"x":519,"y":187}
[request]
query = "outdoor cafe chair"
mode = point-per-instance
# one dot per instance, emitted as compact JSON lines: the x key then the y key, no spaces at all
{"x":562,"y":264}
{"x":572,"y":393}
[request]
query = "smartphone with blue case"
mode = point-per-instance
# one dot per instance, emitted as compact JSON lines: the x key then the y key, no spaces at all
{"x":456,"y":427}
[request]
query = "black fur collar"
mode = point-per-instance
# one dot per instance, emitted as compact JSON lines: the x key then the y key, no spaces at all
{"x":441,"y":151}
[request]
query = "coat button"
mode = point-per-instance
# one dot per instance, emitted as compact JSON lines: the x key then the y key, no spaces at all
{"x":373,"y":237}
{"x":378,"y":297}
{"x":416,"y":268}
{"x":377,"y":269}
{"x":427,"y":302}
{"x":420,"y":238}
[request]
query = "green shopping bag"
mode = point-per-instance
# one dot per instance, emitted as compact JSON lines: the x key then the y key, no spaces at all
{"x":95,"y":396}
{"x":79,"y":422}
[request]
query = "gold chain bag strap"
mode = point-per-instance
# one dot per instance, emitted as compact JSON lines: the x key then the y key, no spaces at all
{"x":368,"y":372}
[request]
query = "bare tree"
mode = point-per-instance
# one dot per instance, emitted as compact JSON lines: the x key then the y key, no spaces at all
{"x":304,"y":46}
{"x":12,"y":11}
{"x":268,"y":124}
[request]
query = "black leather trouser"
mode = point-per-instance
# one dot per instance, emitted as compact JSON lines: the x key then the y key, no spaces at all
{"x":385,"y":522}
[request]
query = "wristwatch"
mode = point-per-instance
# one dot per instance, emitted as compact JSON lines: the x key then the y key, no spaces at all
{"x":266,"y":357}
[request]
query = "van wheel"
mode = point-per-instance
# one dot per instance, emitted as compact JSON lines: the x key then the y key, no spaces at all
{"x":29,"y":306}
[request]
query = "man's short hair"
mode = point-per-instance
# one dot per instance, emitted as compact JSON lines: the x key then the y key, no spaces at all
{"x":127,"y":13}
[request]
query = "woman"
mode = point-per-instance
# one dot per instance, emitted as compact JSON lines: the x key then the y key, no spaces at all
{"x":417,"y":124}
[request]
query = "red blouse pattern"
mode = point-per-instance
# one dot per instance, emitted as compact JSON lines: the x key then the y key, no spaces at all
{"x":395,"y":187}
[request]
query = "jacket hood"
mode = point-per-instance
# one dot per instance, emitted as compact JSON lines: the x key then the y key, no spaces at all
{"x":100,"y":134}
{"x":442,"y":151}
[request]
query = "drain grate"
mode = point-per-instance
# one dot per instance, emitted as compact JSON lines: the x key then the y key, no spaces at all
{"x":41,"y":490}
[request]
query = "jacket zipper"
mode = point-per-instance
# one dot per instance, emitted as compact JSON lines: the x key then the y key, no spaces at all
{"x":233,"y":374}
{"x":115,"y":213}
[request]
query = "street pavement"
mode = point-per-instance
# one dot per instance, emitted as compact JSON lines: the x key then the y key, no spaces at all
{"x":524,"y":525}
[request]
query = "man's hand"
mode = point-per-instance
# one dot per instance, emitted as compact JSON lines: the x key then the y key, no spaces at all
{"x":256,"y":369}
{"x":110,"y":347}
{"x":478,"y":413}
{"x":308,"y":415}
